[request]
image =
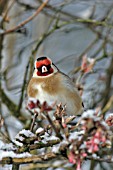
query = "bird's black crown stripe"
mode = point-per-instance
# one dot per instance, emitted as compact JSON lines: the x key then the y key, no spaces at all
{"x":41,"y":58}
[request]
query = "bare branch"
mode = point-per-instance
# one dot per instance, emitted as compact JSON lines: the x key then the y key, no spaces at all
{"x":27,"y":20}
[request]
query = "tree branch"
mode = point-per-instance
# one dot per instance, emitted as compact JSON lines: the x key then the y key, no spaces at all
{"x":27,"y":20}
{"x":32,"y":159}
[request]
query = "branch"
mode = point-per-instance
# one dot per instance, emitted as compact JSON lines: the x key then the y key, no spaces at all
{"x":15,"y":167}
{"x":108,"y":160}
{"x":33,"y":122}
{"x":27,"y":20}
{"x":23,"y":89}
{"x":7,"y":10}
{"x":108,"y":83}
{"x":53,"y":125}
{"x":108,"y":105}
{"x":2,"y":6}
{"x":37,"y":145}
{"x":88,"y":21}
{"x":10,"y":105}
{"x":32,"y":159}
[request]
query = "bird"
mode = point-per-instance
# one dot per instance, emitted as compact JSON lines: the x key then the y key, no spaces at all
{"x":49,"y":84}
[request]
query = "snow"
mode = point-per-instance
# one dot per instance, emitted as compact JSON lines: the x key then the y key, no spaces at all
{"x":46,"y":137}
{"x":20,"y":137}
{"x":94,"y":155}
{"x":83,"y":146}
{"x":11,"y":154}
{"x":89,"y":114}
{"x":108,"y":115}
{"x":108,"y":142}
{"x":17,"y":143}
{"x":32,"y":99}
{"x":39,"y":130}
{"x":7,"y":146}
{"x":26,"y":133}
{"x":105,"y":125}
{"x":55,"y":148}
{"x":57,"y":162}
{"x":53,"y":138}
{"x":1,"y":144}
{"x":76,"y":135}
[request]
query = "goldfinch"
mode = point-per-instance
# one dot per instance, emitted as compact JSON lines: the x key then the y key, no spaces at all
{"x":49,"y":84}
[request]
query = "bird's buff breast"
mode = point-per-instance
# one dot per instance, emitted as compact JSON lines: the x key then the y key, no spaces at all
{"x":42,"y":95}
{"x":56,"y":98}
{"x":45,"y":89}
{"x":52,"y":91}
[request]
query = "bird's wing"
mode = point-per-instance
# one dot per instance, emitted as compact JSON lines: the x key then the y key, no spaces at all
{"x":69,"y":83}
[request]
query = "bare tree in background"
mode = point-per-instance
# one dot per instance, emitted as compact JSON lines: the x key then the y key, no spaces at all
{"x":77,"y":35}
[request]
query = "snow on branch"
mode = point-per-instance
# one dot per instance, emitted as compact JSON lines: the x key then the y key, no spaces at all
{"x":89,"y":138}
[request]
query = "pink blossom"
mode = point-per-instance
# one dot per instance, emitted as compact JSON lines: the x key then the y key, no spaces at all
{"x":87,"y":64}
{"x":95,"y":148}
{"x":63,"y":123}
{"x":103,"y":139}
{"x":78,"y":164}
{"x":84,"y":154}
{"x":71,"y":157}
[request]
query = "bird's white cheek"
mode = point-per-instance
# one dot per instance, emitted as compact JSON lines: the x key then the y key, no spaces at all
{"x":35,"y":74}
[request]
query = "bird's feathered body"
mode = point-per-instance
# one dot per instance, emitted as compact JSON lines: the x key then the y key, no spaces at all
{"x":55,"y":87}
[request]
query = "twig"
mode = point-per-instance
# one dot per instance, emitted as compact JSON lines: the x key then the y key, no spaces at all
{"x":89,"y":21}
{"x":43,"y":145}
{"x":27,"y":20}
{"x":15,"y":167}
{"x":53,"y":9}
{"x":23,"y":89}
{"x":37,"y":145}
{"x":53,"y":125}
{"x":85,"y":52}
{"x":33,"y":122}
{"x":10,"y":105}
{"x":92,"y":165}
{"x":101,"y":36}
{"x":4,"y":98}
{"x":108,"y":82}
{"x":108,"y":160}
{"x":6,"y":130}
{"x":5,"y":137}
{"x":47,"y":165}
{"x":107,"y":106}
{"x":3,"y":5}
{"x":7,"y":10}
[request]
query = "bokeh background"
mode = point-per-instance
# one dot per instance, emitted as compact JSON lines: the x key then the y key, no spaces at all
{"x":65,"y":30}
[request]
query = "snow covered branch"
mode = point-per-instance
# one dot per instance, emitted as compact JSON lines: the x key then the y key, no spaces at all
{"x":86,"y":138}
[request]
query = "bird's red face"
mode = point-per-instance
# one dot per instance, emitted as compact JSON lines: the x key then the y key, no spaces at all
{"x":43,"y":66}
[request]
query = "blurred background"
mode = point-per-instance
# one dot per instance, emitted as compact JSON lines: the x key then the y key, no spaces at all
{"x":72,"y":33}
